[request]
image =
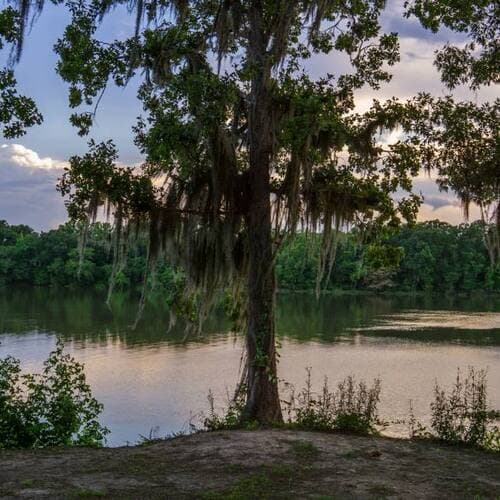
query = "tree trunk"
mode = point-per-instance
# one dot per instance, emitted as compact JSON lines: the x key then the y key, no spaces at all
{"x":262,"y":401}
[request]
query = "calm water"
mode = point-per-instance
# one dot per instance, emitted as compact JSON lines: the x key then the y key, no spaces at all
{"x":151,"y":379}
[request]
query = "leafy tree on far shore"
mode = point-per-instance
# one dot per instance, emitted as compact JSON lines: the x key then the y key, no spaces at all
{"x":426,"y":257}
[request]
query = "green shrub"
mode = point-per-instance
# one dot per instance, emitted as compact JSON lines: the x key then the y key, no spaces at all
{"x":463,"y":415}
{"x":53,"y":408}
{"x":352,"y":407}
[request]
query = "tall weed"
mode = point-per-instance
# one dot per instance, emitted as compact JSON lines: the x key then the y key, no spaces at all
{"x":351,"y":407}
{"x":462,"y":415}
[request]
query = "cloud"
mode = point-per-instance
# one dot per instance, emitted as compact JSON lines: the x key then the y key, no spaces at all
{"x":393,"y":20}
{"x":440,"y":201}
{"x":28,"y":188}
{"x":22,"y":156}
{"x":441,"y":205}
{"x":416,"y":72}
{"x":453,"y":214}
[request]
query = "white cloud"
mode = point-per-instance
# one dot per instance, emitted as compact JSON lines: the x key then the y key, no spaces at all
{"x":416,"y":73}
{"x":453,"y":214}
{"x":28,"y":188}
{"x":22,"y":156}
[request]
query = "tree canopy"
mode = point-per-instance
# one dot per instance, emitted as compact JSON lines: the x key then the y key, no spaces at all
{"x":476,"y":62}
{"x":17,"y":112}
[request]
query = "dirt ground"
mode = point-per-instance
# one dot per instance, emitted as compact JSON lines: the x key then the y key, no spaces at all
{"x":255,"y":465}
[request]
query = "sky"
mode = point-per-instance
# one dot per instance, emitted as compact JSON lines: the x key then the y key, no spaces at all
{"x":30,"y":165}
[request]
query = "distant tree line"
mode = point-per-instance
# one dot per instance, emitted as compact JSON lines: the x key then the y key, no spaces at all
{"x":426,"y":257}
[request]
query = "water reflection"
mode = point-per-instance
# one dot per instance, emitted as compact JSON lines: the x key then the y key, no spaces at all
{"x":75,"y":314}
{"x":149,"y":377}
{"x":84,"y":316}
{"x":416,"y":318}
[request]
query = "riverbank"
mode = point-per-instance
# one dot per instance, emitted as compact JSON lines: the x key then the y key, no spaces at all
{"x":254,"y":464}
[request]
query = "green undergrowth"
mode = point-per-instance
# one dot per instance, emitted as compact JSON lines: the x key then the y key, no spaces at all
{"x":461,"y":416}
{"x":351,"y":407}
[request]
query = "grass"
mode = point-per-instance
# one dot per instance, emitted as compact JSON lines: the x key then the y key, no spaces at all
{"x":304,"y":450}
{"x":235,"y":468}
{"x":274,"y":481}
{"x":281,"y":470}
{"x":381,"y":491}
{"x":269,"y":482}
{"x":152,"y":438}
{"x":252,"y":487}
{"x":88,"y":493}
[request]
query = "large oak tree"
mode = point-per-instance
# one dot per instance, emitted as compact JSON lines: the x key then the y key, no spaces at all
{"x":243,"y":146}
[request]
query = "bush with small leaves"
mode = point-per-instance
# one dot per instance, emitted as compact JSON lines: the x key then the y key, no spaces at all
{"x":53,"y":408}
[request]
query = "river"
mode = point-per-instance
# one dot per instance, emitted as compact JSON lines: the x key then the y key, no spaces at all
{"x":153,"y":381}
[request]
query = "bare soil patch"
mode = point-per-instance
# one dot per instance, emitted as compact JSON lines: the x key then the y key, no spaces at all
{"x":255,"y":465}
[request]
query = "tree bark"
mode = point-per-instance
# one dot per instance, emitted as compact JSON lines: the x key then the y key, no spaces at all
{"x":262,"y":401}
